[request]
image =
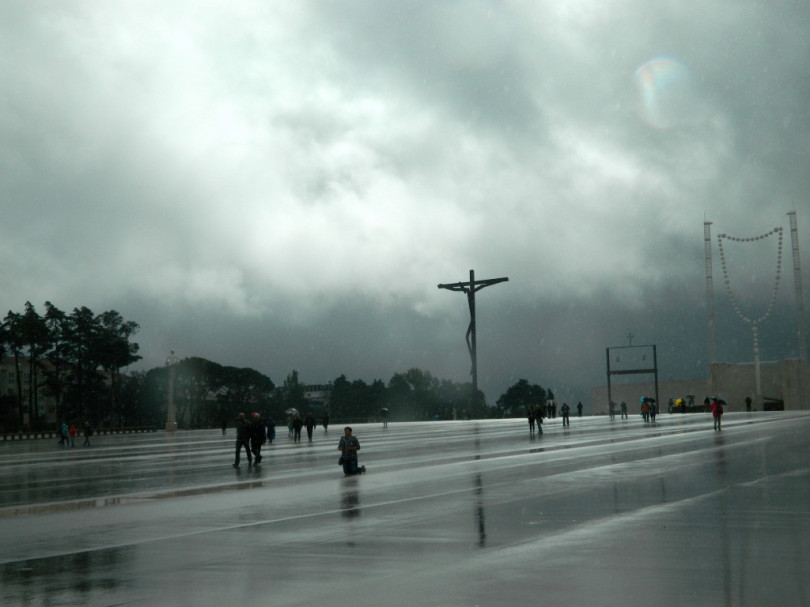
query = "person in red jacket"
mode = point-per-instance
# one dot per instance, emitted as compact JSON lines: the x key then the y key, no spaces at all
{"x":717,"y":412}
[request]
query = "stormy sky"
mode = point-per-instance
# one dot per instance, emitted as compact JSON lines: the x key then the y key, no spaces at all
{"x":283,"y":185}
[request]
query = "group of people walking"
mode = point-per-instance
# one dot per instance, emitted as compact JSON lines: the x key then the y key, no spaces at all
{"x":649,"y":409}
{"x":68,"y":434}
{"x":535,"y":415}
{"x":253,"y":433}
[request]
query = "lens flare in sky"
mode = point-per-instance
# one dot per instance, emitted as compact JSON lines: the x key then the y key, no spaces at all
{"x":663,"y":86}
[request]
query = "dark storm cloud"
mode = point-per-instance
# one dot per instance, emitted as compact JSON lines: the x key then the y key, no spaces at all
{"x":284,"y":186}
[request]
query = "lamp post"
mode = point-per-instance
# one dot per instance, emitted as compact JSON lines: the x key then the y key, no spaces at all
{"x":171,"y":421}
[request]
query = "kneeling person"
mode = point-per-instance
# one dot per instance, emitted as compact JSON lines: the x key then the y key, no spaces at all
{"x":348,"y":446}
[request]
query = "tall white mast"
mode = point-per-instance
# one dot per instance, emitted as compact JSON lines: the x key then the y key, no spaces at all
{"x":797,"y":281}
{"x":707,"y":245}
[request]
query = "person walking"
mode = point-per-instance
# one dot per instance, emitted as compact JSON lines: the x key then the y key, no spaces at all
{"x":531,"y":416}
{"x":717,"y":413}
{"x":623,"y":407}
{"x":645,"y":411}
{"x":310,"y":423}
{"x":653,"y":411}
{"x":242,"y":439}
{"x":325,"y":422}
{"x":384,"y":416}
{"x":297,"y":424}
{"x":612,"y":409}
{"x":349,"y":446}
{"x":63,"y":434}
{"x":564,"y":411}
{"x":224,"y":426}
{"x":270,"y":424}
{"x":258,"y":435}
{"x":579,"y":409}
{"x":88,"y":431}
{"x":72,"y":434}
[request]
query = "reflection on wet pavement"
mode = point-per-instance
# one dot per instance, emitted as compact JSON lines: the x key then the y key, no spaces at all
{"x":608,"y":513}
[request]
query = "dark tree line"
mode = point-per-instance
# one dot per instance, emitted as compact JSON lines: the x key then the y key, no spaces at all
{"x":207,"y":393}
{"x":75,"y":359}
{"x":515,"y":402}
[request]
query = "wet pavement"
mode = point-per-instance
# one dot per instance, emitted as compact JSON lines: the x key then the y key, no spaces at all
{"x":450,"y":513}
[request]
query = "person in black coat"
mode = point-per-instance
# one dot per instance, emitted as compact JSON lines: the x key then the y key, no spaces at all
{"x":297,"y":424}
{"x":258,"y":435}
{"x":310,"y":423}
{"x":242,"y":439}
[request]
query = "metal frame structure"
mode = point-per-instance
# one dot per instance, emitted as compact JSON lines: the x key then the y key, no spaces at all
{"x":647,"y":370}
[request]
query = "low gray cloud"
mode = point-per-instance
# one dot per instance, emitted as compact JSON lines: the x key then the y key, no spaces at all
{"x":284,"y":186}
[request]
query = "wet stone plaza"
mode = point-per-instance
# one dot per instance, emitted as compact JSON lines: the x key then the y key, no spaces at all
{"x":450,"y":513}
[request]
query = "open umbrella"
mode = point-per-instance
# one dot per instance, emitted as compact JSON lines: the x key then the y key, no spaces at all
{"x":291,"y":412}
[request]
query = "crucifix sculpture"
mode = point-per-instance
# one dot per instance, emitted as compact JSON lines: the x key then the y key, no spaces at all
{"x":470,"y":288}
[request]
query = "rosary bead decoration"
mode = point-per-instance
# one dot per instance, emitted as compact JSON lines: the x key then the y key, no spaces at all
{"x":720,"y":238}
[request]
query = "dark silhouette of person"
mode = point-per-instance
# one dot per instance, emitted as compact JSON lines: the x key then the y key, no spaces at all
{"x":325,"y":422}
{"x":224,"y":426}
{"x":258,"y":434}
{"x":564,"y":411}
{"x":297,"y":424}
{"x":310,"y":423}
{"x":242,"y":439}
{"x":579,"y":409}
{"x":270,"y":424}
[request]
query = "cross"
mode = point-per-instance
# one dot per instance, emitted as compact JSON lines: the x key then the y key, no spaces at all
{"x":470,"y":288}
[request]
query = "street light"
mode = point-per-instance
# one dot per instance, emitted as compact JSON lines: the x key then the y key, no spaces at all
{"x":171,"y":422}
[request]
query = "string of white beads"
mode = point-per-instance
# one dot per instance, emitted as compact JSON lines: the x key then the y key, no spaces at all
{"x":777,"y":277}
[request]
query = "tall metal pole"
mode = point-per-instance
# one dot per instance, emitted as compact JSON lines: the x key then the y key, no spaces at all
{"x":707,"y":246}
{"x":171,"y":421}
{"x":470,"y":288}
{"x":797,"y":281}
{"x":655,"y":366}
